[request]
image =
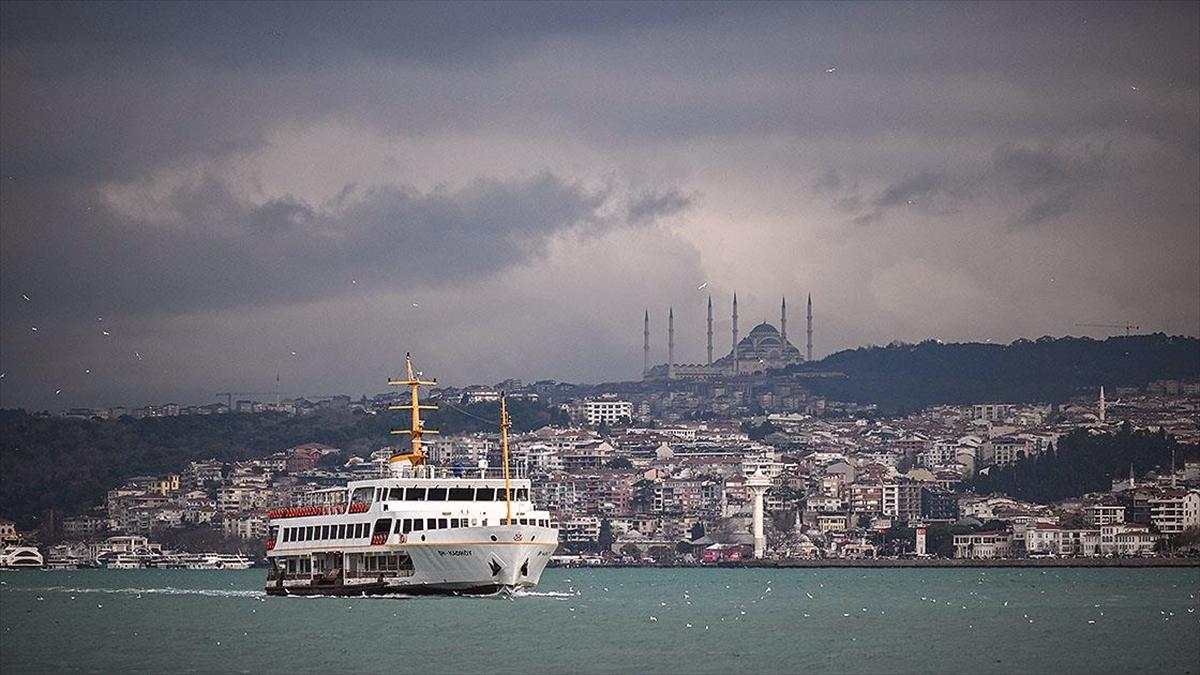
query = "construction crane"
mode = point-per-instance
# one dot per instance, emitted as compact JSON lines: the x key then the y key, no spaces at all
{"x":230,"y":394}
{"x":1129,"y":327}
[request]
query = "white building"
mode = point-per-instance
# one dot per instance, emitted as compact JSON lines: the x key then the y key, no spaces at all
{"x":987,"y":545}
{"x":1126,"y":540}
{"x":605,"y":410}
{"x":992,"y":412}
{"x":1175,"y":511}
{"x":1057,"y":541}
{"x":1099,"y":515}
{"x":581,"y":530}
{"x":902,"y":500}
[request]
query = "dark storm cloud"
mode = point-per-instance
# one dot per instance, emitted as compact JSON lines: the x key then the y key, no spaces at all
{"x":156,"y":165}
{"x":211,"y":248}
{"x":650,"y":206}
{"x":914,"y":187}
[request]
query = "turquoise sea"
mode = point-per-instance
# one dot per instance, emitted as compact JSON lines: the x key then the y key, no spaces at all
{"x":616,"y":621}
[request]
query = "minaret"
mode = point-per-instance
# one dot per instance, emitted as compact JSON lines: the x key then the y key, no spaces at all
{"x":1102,"y":410}
{"x":783,"y":320}
{"x":646,"y":346}
{"x":710,"y":330}
{"x":808,"y":357}
{"x":735,"y":334}
{"x":1131,"y":482}
{"x":670,"y":343}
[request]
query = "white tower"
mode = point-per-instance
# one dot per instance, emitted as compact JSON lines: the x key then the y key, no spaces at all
{"x":1102,"y":411}
{"x":758,"y":484}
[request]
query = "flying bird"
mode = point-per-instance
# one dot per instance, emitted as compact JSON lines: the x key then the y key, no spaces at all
{"x":830,"y":70}
{"x":25,"y":296}
{"x":702,"y":286}
{"x":1133,"y":87}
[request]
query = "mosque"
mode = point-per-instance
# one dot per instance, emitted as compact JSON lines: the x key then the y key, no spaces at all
{"x":765,"y":347}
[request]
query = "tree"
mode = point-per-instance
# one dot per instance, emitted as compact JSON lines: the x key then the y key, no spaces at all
{"x":631,"y":551}
{"x":662,"y":555}
{"x":605,"y":541}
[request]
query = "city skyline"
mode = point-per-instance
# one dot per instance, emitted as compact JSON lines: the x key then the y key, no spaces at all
{"x":194,"y":200}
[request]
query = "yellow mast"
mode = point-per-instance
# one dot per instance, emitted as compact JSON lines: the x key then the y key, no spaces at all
{"x":416,"y":456}
{"x":505,"y":423}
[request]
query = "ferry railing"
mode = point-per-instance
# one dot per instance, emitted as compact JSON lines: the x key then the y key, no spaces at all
{"x":490,"y":472}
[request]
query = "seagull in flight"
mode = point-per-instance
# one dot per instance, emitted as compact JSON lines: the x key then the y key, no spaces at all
{"x":702,"y":286}
{"x":830,"y":70}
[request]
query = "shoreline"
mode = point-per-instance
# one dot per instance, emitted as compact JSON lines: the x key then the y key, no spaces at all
{"x":922,"y":564}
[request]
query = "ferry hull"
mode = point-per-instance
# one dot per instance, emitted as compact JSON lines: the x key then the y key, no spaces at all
{"x":465,"y":561}
{"x":384,"y":589}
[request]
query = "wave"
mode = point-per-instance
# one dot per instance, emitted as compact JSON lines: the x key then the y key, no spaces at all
{"x":168,"y":590}
{"x":521,"y":593}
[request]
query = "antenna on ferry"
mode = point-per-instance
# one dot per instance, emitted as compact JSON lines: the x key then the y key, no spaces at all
{"x":416,"y":456}
{"x":505,"y":423}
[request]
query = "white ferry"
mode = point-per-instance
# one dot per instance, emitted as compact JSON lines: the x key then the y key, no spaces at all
{"x":215,"y":561}
{"x":421,"y":530}
{"x":21,"y":557}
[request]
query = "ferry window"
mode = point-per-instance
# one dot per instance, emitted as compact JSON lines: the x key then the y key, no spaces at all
{"x":485,"y":494}
{"x":341,"y":531}
{"x":437,"y":494}
{"x":431,"y":523}
{"x":521,"y":495}
{"x":312,"y":533}
{"x":453,"y":522}
{"x":399,"y":527}
{"x":500,"y":494}
{"x":324,"y":531}
{"x":406,"y":526}
{"x":285,"y":535}
{"x":417,"y":525}
{"x":441,"y":523}
{"x":383,"y":526}
{"x":397,"y":495}
{"x":362,"y":529}
{"x":415,"y":494}
{"x":362,"y":495}
{"x":460,"y":494}
{"x":524,"y":521}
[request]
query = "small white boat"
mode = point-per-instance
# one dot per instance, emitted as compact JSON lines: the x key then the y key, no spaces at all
{"x":21,"y":557}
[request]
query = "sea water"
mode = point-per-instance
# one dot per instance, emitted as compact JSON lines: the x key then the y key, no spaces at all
{"x":616,"y":620}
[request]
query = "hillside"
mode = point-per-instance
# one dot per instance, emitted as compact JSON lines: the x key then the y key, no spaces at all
{"x":69,"y":464}
{"x":1084,"y":463}
{"x":906,"y":376}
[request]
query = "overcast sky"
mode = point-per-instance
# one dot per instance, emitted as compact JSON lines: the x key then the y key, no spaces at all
{"x":195,"y":197}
